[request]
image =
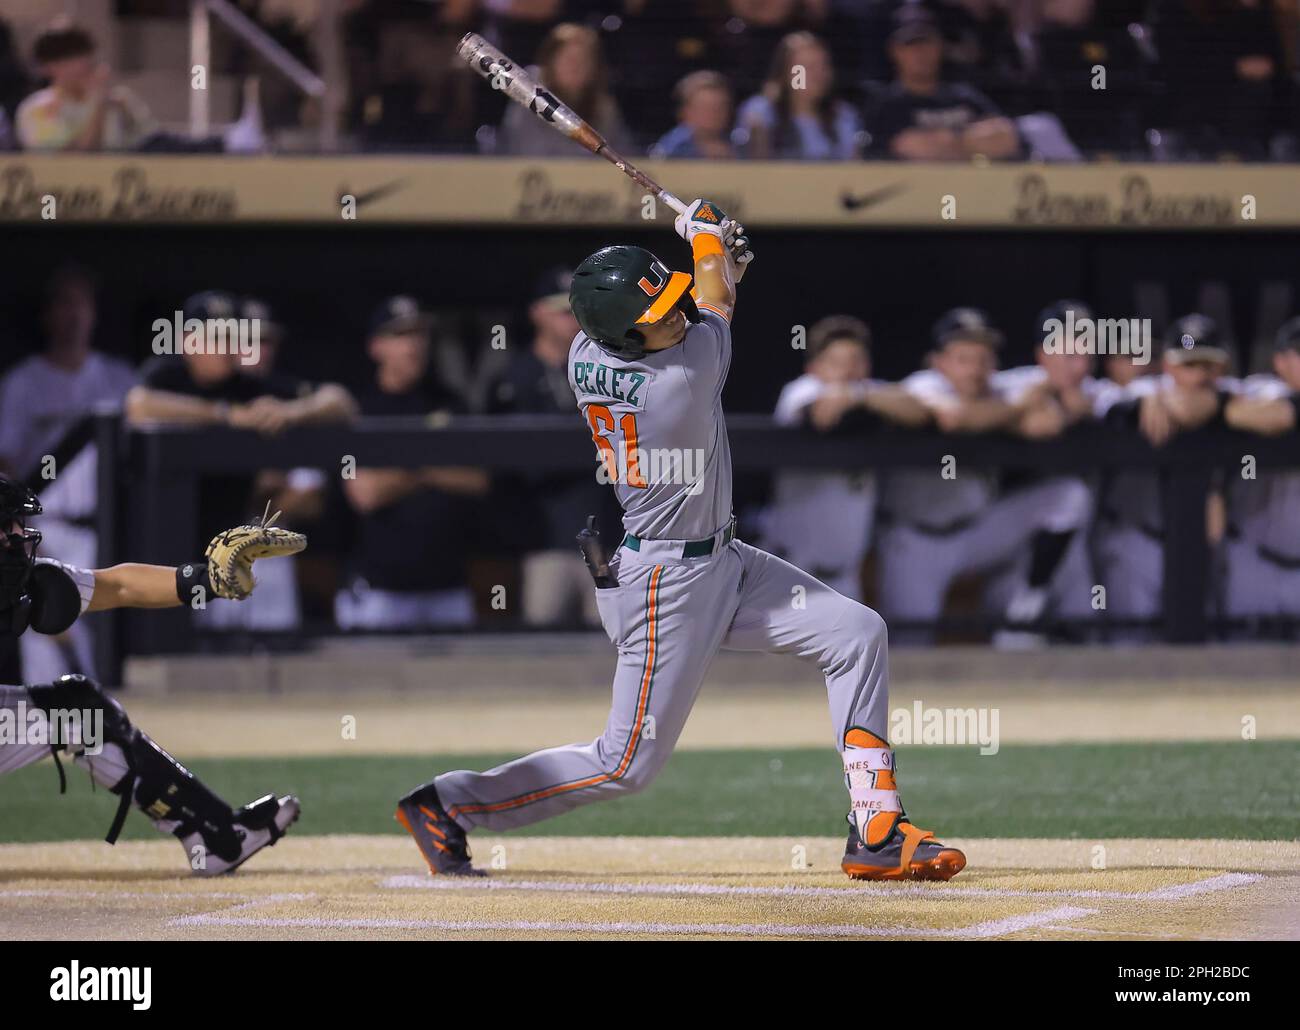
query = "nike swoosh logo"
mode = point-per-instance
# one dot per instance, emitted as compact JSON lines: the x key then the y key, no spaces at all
{"x":378,"y":193}
{"x":858,"y":201}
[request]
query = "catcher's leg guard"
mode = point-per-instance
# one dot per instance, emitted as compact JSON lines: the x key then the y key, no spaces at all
{"x":130,"y":765}
{"x":883,"y":844}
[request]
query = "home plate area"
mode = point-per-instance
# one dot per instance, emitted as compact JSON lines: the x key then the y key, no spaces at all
{"x":651,"y":887}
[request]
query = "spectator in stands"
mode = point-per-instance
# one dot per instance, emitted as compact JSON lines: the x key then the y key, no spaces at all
{"x":1263,"y":545}
{"x":81,"y":109}
{"x":822,"y":520}
{"x":703,"y":120}
{"x":752,"y":32}
{"x":554,"y":505}
{"x":1131,"y":529}
{"x":203,"y":380}
{"x":920,"y":117}
{"x":410,"y":569}
{"x":796,"y":114}
{"x":1074,"y":48}
{"x":653,"y":43}
{"x":570,"y":63}
{"x":520,"y":27}
{"x":1225,"y":71}
{"x":408,"y":89}
{"x":45,"y":440}
{"x":980,"y":48}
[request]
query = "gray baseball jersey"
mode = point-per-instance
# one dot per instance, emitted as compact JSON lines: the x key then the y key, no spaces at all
{"x":657,"y":423}
{"x":669,"y":614}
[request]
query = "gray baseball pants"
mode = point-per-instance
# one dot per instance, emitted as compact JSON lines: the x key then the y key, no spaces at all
{"x":668,"y":617}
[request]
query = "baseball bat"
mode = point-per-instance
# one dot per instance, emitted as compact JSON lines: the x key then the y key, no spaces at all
{"x":519,"y":86}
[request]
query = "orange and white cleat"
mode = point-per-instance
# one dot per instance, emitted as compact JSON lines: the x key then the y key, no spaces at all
{"x":883,"y":844}
{"x":908,"y":853}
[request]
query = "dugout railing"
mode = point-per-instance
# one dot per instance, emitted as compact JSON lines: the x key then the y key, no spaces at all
{"x":149,"y":482}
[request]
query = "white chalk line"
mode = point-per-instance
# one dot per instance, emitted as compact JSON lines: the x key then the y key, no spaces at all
{"x":1225,"y":881}
{"x":147,"y":895}
{"x":977,"y":931}
{"x":1046,"y":919}
{"x":1177,"y":892}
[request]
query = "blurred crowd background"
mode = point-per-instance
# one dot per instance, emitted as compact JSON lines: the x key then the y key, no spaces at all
{"x":715,"y":79}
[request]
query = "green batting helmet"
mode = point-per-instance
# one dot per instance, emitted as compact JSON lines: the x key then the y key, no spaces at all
{"x":621,"y":287}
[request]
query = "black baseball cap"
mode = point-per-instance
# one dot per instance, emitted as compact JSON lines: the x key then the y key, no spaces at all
{"x":1288,"y":336}
{"x":1059,"y":311}
{"x":210,"y":304}
{"x":255,"y":308}
{"x":966,"y":324}
{"x":552,"y":288}
{"x":1195,"y":337}
{"x":911,"y":23}
{"x":400,"y":314}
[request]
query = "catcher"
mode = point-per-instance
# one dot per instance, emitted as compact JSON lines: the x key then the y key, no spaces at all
{"x":75,"y":716}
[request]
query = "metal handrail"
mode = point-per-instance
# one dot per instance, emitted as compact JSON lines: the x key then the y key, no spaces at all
{"x":243,"y":27}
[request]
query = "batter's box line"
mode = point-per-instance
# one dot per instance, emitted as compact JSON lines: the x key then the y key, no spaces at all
{"x":200,"y":918}
{"x":977,"y":931}
{"x":1176,"y":892}
{"x":42,"y":892}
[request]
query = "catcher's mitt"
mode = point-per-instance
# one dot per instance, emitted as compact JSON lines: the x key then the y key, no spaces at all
{"x":232,"y":553}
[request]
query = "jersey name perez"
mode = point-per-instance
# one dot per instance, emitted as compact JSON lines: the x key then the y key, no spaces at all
{"x":616,"y":384}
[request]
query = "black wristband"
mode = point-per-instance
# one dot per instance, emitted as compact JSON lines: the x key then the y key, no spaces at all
{"x":190,"y":577}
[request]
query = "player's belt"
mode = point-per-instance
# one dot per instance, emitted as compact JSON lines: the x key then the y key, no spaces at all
{"x":688,"y":548}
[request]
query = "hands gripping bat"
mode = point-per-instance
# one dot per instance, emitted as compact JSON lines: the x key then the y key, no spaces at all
{"x":520,"y":87}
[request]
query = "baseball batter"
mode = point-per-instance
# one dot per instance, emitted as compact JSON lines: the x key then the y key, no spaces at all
{"x":72,"y":714}
{"x":647,"y":371}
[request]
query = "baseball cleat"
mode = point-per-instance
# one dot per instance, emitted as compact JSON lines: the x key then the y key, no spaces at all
{"x":439,"y":837}
{"x":257,"y":825}
{"x":907,"y":854}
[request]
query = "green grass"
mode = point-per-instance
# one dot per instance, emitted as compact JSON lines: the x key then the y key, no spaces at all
{"x":1223,"y":789}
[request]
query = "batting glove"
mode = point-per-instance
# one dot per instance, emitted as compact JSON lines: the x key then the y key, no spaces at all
{"x":703,"y":216}
{"x":736,"y":242}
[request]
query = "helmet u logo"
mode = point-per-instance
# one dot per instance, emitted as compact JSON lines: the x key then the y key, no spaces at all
{"x":650,"y":288}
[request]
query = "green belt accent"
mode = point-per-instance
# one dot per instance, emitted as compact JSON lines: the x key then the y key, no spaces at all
{"x":692,"y":548}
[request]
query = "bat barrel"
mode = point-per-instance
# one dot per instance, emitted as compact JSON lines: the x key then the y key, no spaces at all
{"x":503,"y":74}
